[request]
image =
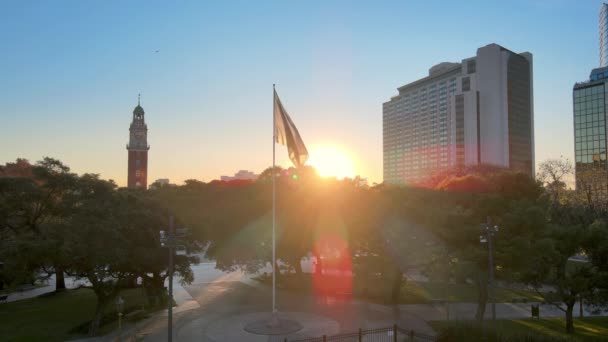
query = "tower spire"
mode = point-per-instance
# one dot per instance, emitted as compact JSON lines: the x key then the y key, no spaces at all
{"x":138,"y":97}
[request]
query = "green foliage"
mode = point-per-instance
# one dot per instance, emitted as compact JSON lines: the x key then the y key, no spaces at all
{"x":546,"y":329}
{"x":472,"y":332}
{"x":85,"y":226}
{"x":59,"y":316}
{"x":54,"y":221}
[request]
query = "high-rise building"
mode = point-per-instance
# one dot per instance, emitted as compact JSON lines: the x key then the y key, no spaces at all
{"x":590,"y":101}
{"x":603,"y":28}
{"x":138,"y":150}
{"x":477,"y":112}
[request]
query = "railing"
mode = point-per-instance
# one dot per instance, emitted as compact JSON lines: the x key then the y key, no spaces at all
{"x":388,"y":334}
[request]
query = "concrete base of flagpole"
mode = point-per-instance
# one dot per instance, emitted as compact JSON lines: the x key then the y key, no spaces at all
{"x":274,"y":325}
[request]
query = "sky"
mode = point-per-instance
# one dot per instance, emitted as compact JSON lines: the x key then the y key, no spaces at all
{"x":70,"y":73}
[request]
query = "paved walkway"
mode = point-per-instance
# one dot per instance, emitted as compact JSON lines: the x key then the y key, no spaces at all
{"x":217,"y":306}
{"x":48,"y":286}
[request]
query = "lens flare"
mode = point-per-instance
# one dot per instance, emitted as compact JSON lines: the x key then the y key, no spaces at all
{"x":331,"y":161}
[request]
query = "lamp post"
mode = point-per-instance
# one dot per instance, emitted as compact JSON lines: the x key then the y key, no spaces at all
{"x":119,"y":307}
{"x":169,"y":239}
{"x":489,"y":238}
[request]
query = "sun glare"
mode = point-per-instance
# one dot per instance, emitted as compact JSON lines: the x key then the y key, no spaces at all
{"x":330,"y":161}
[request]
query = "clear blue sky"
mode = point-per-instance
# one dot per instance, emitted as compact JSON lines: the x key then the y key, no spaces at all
{"x":70,"y":72}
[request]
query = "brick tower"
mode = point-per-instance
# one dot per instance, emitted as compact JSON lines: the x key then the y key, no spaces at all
{"x":138,"y":150}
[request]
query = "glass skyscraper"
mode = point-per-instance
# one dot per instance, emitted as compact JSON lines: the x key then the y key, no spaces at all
{"x":590,"y":103}
{"x":603,"y":27}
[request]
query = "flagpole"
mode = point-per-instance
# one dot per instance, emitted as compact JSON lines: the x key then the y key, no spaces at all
{"x":274,"y":132}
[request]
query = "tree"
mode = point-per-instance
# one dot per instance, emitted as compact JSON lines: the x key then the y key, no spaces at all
{"x":592,"y":185}
{"x":552,"y":267}
{"x":113,"y":236}
{"x":512,"y":201}
{"x":554,"y":174}
{"x":33,"y":207}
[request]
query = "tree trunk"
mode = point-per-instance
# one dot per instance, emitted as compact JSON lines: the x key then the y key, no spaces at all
{"x":94,"y":327}
{"x":155,"y":288}
{"x":482,"y":299}
{"x":580,"y":306}
{"x":298,"y":267}
{"x":59,"y":279}
{"x":396,"y":289}
{"x":569,"y":319}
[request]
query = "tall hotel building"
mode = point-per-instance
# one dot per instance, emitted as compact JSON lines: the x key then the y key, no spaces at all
{"x":590,"y":101}
{"x":477,"y":112}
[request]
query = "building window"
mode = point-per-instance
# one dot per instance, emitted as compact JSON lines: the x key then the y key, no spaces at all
{"x":471,"y":66}
{"x":466,"y":83}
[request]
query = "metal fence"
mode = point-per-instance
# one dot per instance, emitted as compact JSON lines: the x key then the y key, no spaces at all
{"x":388,"y":334}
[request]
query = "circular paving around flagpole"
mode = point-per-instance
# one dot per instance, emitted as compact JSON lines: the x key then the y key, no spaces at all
{"x":255,"y":326}
{"x":273,"y":326}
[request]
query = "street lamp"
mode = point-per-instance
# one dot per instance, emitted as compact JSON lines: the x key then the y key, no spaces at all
{"x":119,"y":307}
{"x":489,"y":239}
{"x":170,"y":240}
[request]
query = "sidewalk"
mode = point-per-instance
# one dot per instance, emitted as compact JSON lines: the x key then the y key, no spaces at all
{"x":70,"y":283}
{"x":466,"y":311}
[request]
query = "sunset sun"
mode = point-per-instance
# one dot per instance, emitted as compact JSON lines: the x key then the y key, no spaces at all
{"x":331,"y":161}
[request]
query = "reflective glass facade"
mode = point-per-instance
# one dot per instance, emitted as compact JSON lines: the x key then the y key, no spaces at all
{"x":520,"y":123}
{"x":590,"y":138}
{"x":603,"y":28}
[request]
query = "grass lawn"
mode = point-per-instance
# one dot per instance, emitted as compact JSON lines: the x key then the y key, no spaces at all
{"x":56,"y":317}
{"x":376,"y":291}
{"x":414,"y":292}
{"x":586,"y":329}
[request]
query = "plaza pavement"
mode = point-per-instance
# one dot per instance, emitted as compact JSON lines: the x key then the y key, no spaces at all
{"x":217,"y":306}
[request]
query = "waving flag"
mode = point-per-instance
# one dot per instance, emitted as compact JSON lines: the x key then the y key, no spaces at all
{"x":286,"y":133}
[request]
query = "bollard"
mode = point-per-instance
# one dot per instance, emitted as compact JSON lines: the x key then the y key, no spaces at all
{"x":411,"y":335}
{"x":394,"y":332}
{"x":360,"y":335}
{"x":324,"y":338}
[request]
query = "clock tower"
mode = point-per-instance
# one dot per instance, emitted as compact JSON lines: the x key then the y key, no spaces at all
{"x":138,"y":150}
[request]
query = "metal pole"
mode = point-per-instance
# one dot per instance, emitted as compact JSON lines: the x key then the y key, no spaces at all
{"x":274,"y":130}
{"x":171,"y":245}
{"x":120,"y":326}
{"x":491,"y":256}
{"x":394,"y":332}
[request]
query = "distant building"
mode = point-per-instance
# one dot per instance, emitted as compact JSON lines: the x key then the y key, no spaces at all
{"x":476,"y":112}
{"x":161,"y":182}
{"x":241,"y":175}
{"x":138,"y":150}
